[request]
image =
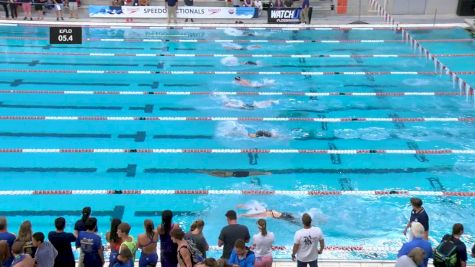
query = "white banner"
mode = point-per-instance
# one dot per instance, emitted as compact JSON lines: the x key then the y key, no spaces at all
{"x":161,"y":12}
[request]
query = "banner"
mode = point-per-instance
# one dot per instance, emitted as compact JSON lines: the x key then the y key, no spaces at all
{"x":182,"y":12}
{"x":286,"y":15}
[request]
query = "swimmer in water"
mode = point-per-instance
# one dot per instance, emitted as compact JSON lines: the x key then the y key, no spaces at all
{"x":235,"y":174}
{"x":267,"y":213}
{"x":253,"y":84}
{"x":261,"y":133}
{"x":236,"y":103}
{"x":233,"y":46}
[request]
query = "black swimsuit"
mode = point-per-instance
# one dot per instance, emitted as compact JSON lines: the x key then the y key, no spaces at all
{"x":240,"y":174}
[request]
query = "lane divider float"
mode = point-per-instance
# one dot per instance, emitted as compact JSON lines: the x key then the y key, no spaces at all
{"x":312,"y":193}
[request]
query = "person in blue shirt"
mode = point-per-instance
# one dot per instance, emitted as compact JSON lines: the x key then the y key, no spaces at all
{"x":91,"y":245}
{"x":418,"y":214}
{"x":241,"y":256}
{"x":418,"y":241}
{"x":7,"y":236}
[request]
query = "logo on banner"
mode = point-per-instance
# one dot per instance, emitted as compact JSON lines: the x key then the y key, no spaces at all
{"x":132,"y":10}
{"x":285,"y":14}
{"x":213,"y":11}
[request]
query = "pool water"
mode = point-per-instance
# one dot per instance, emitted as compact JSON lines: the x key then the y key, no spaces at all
{"x":121,"y":81}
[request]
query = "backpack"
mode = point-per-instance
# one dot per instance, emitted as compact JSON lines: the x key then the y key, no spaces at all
{"x":445,"y":254}
{"x":196,"y":255}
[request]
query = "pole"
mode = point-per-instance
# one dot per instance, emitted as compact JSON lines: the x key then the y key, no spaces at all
{"x":359,"y":10}
{"x":435,"y":17}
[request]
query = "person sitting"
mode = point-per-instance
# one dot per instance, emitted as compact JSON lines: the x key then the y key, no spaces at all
{"x":413,"y":259}
{"x":241,"y":256}
{"x":418,"y":241}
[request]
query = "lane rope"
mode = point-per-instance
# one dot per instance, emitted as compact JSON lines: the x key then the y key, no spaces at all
{"x":238,"y":151}
{"x":186,"y":72}
{"x":231,"y":93}
{"x":314,"y":193}
{"x":274,"y":119}
{"x":230,"y":55}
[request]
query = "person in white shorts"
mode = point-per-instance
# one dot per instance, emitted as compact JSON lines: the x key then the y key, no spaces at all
{"x":58,"y":7}
{"x":306,"y":241}
{"x":73,"y":9}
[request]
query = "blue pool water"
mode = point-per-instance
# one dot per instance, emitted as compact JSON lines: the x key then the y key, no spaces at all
{"x":30,"y":66}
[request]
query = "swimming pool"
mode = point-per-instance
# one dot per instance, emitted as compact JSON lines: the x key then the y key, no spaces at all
{"x":131,"y":121}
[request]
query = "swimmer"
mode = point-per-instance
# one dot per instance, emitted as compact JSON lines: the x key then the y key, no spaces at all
{"x":233,"y":46}
{"x":267,"y":213}
{"x":233,"y":61}
{"x":235,"y":174}
{"x":235,"y":103}
{"x":253,"y":84}
{"x":261,"y":133}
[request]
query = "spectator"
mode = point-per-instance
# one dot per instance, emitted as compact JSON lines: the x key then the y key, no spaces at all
{"x":304,"y":16}
{"x":12,"y":4}
{"x":230,"y":233}
{"x":449,"y":243}
{"x":73,"y":9}
{"x":259,"y":7}
{"x":183,"y":251}
{"x":223,"y":263}
{"x":25,"y":235}
{"x":418,"y":214}
{"x":418,"y":241}
{"x":248,"y":3}
{"x":241,"y":256}
{"x":21,"y":259}
{"x":80,"y":224}
{"x":168,"y":249}
{"x":236,"y":3}
{"x":189,"y":3}
{"x":114,"y":241}
{"x":26,"y":6}
{"x":91,"y":245}
{"x":196,"y":234}
{"x":278,"y":4}
{"x":262,"y":245}
{"x":128,"y":241}
{"x":171,"y":7}
{"x":4,"y":3}
{"x":62,"y":242}
{"x":209,"y":262}
{"x":8,"y":237}
{"x":125,"y":258}
{"x":413,"y":259}
{"x":39,"y":8}
{"x":305,"y":243}
{"x":148,"y":244}
{"x":4,"y":252}
{"x":58,"y":7}
{"x":45,"y":251}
